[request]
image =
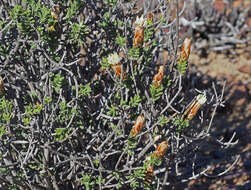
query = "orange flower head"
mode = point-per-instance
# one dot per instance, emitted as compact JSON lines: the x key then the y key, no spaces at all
{"x":157,"y":79}
{"x":138,"y":125}
{"x":139,"y":32}
{"x":186,"y":47}
{"x":114,"y":60}
{"x":161,"y":149}
{"x":138,"y":37}
{"x":118,"y":71}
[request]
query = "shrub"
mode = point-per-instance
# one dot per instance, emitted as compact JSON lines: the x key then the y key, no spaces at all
{"x":87,"y":102}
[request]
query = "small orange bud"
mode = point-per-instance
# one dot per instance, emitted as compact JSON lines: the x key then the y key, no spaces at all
{"x":157,"y":79}
{"x":118,"y":70}
{"x":138,"y":36}
{"x":138,"y":125}
{"x":186,"y":47}
{"x":161,"y":149}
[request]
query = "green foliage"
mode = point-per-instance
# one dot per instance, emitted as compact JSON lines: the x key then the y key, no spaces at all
{"x":105,"y":65}
{"x":78,"y":31}
{"x":2,"y":130}
{"x":162,"y":120}
{"x":5,"y":109}
{"x":62,"y":133}
{"x":112,"y":111}
{"x":106,"y":21}
{"x":34,"y":16}
{"x":5,"y":114}
{"x":110,"y":2}
{"x":85,"y":90}
{"x":134,"y":101}
{"x":132,"y":143}
{"x":75,"y":114}
{"x":156,"y":92}
{"x":180,"y":123}
{"x":121,"y":41}
{"x":87,"y":181}
{"x":96,"y":162}
{"x":134,"y":53}
{"x":73,"y":9}
{"x":65,"y":113}
{"x":153,"y":161}
{"x":32,"y":110}
{"x":138,"y":175}
{"x":148,"y":33}
{"x":182,"y":66}
{"x":47,"y":100}
{"x":115,"y":128}
{"x":57,"y":81}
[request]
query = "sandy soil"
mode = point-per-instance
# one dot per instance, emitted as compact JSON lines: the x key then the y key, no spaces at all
{"x":235,"y":68}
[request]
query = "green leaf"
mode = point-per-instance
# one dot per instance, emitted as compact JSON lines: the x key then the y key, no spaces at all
{"x":134,"y":53}
{"x":156,"y":92}
{"x":57,"y":81}
{"x":2,"y":131}
{"x":163,"y":120}
{"x":182,"y":67}
{"x":85,"y":90}
{"x":61,"y":133}
{"x":134,"y":102}
{"x":112,"y":111}
{"x":121,"y":41}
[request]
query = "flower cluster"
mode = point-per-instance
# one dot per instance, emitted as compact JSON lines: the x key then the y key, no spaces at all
{"x":157,"y":79}
{"x":139,"y":32}
{"x":114,"y":60}
{"x":138,"y":125}
{"x":156,"y":156}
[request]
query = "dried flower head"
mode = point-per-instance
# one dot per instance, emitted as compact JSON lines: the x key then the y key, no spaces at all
{"x":161,"y":149}
{"x":196,"y":104}
{"x":114,"y":59}
{"x":138,"y":125}
{"x":139,"y":32}
{"x":186,"y":47}
{"x":138,"y":37}
{"x":157,"y":79}
{"x":140,"y":21}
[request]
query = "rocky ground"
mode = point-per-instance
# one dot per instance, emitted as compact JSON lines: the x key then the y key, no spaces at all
{"x":234,"y":67}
